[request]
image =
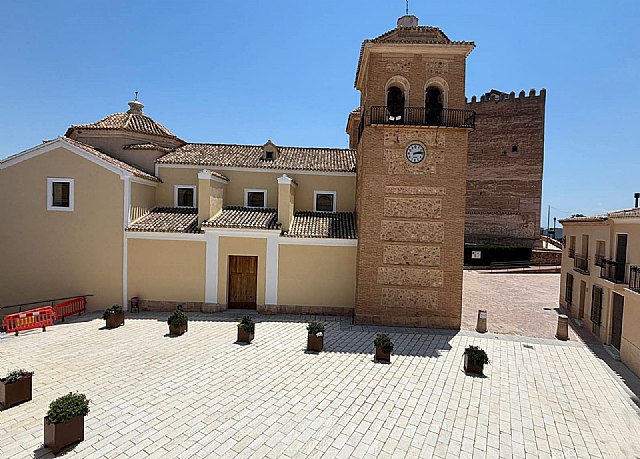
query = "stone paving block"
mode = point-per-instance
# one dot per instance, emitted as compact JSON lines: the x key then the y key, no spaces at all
{"x":222,"y":399}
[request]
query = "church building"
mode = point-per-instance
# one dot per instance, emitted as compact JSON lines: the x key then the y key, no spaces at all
{"x":123,"y":208}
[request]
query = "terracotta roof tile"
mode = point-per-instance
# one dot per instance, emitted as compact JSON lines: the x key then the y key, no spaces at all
{"x":110,"y":159}
{"x":136,"y":122}
{"x":594,"y":218}
{"x":410,"y":35}
{"x":635,"y":212}
{"x":251,"y":156}
{"x":217,"y":174}
{"x":245,"y":217}
{"x":339,"y":225}
{"x":168,"y":220}
{"x":147,"y":146}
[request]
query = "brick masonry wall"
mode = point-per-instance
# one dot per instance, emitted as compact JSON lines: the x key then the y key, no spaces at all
{"x":504,"y":188}
{"x":411,"y":235}
{"x":411,"y":216}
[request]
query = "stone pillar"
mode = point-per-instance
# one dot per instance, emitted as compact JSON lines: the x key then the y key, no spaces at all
{"x":286,"y":201}
{"x":210,"y":195}
{"x":481,"y":327}
{"x":562,"y":332}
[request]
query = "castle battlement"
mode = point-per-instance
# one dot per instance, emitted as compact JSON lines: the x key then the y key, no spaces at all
{"x":511,"y":97}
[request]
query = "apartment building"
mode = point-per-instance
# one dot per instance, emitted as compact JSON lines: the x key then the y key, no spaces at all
{"x":600,"y":283}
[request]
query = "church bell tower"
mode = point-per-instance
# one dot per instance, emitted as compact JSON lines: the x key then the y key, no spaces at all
{"x":411,"y":136}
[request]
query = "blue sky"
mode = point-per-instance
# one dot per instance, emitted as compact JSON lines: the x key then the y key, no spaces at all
{"x":248,"y":71}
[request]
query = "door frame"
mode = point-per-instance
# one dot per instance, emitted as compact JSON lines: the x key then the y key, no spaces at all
{"x":613,"y":315}
{"x":245,"y":305}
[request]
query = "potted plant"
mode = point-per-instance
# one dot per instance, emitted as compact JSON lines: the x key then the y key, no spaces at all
{"x":64,"y":422}
{"x":15,"y":388}
{"x":177,"y":322}
{"x":384,"y":347}
{"x":246,"y":327}
{"x":315,"y":339}
{"x":114,"y":316}
{"x":475,"y":359}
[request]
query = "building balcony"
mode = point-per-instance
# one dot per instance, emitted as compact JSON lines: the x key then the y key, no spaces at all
{"x":598,"y":260}
{"x":634,"y":278}
{"x":572,"y":253}
{"x":581,"y":264}
{"x":613,"y":271}
{"x":421,"y":116}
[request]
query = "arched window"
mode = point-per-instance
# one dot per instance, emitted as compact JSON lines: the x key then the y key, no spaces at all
{"x":434,"y":103}
{"x":395,"y":102}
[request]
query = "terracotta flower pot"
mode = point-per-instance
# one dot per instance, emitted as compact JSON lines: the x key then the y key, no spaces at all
{"x":244,"y":336}
{"x":382,"y":356}
{"x":177,"y":330}
{"x":472,"y":367}
{"x":115,"y":320}
{"x":14,"y":393}
{"x":315,"y":343}
{"x":59,"y":436}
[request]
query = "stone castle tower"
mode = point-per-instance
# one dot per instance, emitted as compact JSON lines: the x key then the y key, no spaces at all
{"x":411,"y":133}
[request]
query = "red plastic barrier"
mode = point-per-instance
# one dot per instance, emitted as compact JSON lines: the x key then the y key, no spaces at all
{"x":71,"y":307}
{"x":28,"y":320}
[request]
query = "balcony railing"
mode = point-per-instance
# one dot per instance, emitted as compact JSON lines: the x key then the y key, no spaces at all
{"x":614,"y":271}
{"x":598,"y":260}
{"x":421,"y":116}
{"x":572,"y":253}
{"x":581,"y":264}
{"x":634,"y":278}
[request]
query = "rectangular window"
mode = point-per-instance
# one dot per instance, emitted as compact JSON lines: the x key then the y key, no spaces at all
{"x":600,"y":254}
{"x":255,"y":198}
{"x":60,"y":194}
{"x":572,"y":247}
{"x":568,"y":290}
{"x":596,"y":307}
{"x":324,"y":201}
{"x":185,"y":196}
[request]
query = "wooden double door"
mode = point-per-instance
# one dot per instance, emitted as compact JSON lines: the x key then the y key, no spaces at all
{"x":243,"y":282}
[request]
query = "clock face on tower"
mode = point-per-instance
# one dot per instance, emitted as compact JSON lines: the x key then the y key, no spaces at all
{"x":415,"y":153}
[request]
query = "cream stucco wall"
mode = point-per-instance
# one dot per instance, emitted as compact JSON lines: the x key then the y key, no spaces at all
{"x":143,"y":199}
{"x":162,"y":270}
{"x":344,"y":186}
{"x":240,"y":246}
{"x":170,"y":178}
{"x":606,"y":231}
{"x":630,"y":345}
{"x":47,"y":254}
{"x":317,"y":275}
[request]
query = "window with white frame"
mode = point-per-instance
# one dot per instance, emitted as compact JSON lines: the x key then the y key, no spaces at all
{"x":255,"y":198}
{"x":184,"y":196}
{"x":324,"y":201}
{"x":60,"y":194}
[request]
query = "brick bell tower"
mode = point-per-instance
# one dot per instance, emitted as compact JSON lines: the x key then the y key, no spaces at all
{"x":411,"y":136}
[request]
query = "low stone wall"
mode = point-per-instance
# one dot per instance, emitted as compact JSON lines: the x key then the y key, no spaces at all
{"x":546,"y":257}
{"x":313,"y":310}
{"x":169,"y":306}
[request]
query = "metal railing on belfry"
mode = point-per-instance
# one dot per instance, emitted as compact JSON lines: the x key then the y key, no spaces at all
{"x":423,"y":116}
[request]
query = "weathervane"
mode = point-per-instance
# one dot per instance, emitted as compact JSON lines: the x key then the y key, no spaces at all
{"x":407,"y":10}
{"x":137,"y":91}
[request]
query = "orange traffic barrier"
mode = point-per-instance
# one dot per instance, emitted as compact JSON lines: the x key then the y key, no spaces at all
{"x":71,"y":307}
{"x":28,"y":320}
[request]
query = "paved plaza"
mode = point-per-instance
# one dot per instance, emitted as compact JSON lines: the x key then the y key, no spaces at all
{"x":203,"y":395}
{"x":516,"y":304}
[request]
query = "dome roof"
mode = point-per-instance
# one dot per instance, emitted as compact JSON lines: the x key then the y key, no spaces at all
{"x":133,"y":120}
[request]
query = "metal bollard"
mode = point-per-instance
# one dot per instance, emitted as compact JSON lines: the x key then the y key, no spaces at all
{"x":562,"y":333}
{"x":481,"y":327}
